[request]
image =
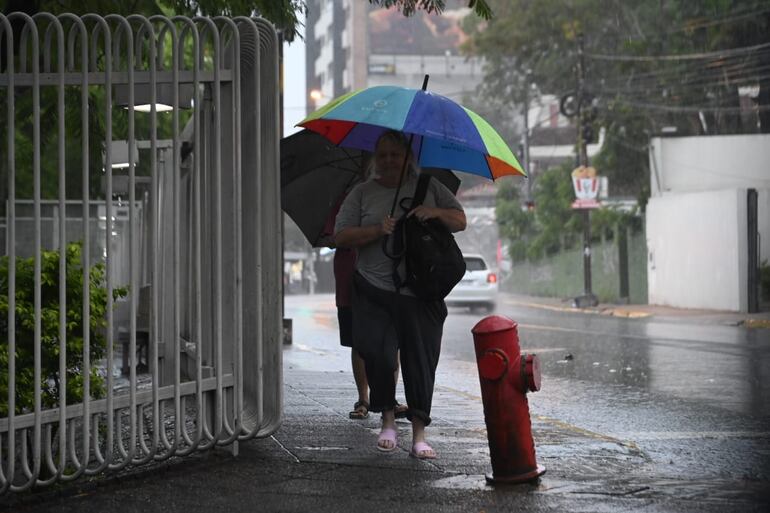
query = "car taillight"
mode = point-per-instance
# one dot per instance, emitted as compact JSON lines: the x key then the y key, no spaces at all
{"x":491,"y":278}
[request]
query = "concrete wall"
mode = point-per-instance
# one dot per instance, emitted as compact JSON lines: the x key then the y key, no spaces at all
{"x":696,"y":245}
{"x":697,"y":218}
{"x":687,"y":164}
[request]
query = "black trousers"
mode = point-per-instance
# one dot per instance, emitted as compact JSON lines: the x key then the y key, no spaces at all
{"x":385,"y":323}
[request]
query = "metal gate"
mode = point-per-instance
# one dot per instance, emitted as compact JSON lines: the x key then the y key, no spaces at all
{"x":140,"y":287}
{"x":753,"y":250}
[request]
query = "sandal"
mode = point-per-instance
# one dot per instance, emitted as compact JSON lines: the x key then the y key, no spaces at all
{"x":387,"y":435}
{"x":360,"y":411}
{"x":423,"y":451}
{"x":400,"y":410}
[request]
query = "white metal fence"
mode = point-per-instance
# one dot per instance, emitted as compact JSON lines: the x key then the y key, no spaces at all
{"x":140,"y":291}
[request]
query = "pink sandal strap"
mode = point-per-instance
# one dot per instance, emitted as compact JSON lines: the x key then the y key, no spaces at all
{"x":390,"y":435}
{"x":422,"y":450}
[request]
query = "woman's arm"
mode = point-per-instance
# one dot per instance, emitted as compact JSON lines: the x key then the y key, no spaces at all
{"x":451,"y":217}
{"x":357,"y":236}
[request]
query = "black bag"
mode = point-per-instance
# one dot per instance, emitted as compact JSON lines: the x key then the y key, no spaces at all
{"x":433,"y":261}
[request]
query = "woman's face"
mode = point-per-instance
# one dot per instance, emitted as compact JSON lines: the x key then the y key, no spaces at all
{"x":389,"y":157}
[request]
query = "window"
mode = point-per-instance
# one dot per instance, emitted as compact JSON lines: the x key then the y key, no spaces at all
{"x":475,"y":264}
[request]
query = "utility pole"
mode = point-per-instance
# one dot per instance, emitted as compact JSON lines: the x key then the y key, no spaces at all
{"x":525,"y":137}
{"x":588,"y":298}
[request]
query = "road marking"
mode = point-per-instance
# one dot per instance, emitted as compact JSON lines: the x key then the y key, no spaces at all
{"x":689,"y":435}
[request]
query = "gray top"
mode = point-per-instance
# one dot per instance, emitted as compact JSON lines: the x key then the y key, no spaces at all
{"x":368,"y":204}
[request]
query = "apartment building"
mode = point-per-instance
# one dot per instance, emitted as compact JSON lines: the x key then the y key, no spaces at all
{"x":352,"y":44}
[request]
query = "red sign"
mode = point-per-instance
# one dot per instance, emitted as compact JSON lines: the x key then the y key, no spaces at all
{"x":586,"y":203}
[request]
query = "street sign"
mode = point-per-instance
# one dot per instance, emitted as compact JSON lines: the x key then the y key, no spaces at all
{"x":586,"y":185}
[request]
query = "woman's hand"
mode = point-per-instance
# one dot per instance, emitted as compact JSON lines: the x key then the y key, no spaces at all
{"x":452,"y":218}
{"x":423,"y":212}
{"x":388,"y":225}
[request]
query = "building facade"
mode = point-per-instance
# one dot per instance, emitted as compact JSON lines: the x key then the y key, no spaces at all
{"x":352,"y":45}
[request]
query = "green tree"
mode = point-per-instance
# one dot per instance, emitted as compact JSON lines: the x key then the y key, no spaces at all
{"x":24,"y":328}
{"x":516,"y":223}
{"x":409,"y":7}
{"x":284,"y":14}
{"x":648,"y":65}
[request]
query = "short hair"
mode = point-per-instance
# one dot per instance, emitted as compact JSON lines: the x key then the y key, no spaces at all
{"x":400,"y":139}
{"x":397,"y":137}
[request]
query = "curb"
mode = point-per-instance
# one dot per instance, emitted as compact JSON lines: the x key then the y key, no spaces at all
{"x":626,"y":312}
{"x":616,"y":312}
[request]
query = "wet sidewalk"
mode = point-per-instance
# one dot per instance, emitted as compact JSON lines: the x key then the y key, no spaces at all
{"x":321,"y":461}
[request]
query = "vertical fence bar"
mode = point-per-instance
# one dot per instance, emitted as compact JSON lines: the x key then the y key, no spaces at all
{"x":86,"y":265}
{"x":10,"y":474}
{"x":270,"y":192}
{"x":124,"y":28}
{"x":218,"y":293}
{"x":31,"y":27}
{"x":81,"y":28}
{"x":108,"y":237}
{"x":235,"y":212}
{"x":62,"y":256}
{"x":249,"y":229}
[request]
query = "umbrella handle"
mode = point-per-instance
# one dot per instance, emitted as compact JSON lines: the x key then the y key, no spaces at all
{"x":395,"y":255}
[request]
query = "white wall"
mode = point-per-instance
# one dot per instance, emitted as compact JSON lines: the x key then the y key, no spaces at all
{"x":696,"y":246}
{"x":686,"y":164}
{"x":697,"y":218}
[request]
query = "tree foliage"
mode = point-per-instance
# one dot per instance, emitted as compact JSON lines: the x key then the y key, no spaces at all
{"x":24,"y":328}
{"x":409,"y":7}
{"x":284,"y":14}
{"x":648,"y":65}
{"x":668,"y":63}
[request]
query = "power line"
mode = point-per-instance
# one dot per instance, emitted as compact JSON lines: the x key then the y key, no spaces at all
{"x":720,"y":54}
{"x":692,"y":109}
{"x":719,"y":21}
{"x":733,"y":16}
{"x":704,"y":81}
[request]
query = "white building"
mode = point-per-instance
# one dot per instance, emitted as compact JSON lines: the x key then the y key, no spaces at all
{"x":698,"y":219}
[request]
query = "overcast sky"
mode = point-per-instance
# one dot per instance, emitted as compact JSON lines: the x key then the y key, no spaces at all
{"x":294,"y":84}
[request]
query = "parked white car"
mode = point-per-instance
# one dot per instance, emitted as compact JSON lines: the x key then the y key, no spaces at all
{"x":478,"y":288}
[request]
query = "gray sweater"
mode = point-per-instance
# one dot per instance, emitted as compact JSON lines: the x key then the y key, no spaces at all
{"x":368,"y":204}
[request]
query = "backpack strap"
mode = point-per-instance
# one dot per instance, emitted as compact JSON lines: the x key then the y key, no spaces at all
{"x":421,"y":191}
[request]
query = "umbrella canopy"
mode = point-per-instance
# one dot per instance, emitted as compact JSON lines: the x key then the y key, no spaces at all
{"x":315,"y":174}
{"x":447,"y":135}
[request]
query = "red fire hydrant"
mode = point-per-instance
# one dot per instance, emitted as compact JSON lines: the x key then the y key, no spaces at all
{"x":506,"y":376}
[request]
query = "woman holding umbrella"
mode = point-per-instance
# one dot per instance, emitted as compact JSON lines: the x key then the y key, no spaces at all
{"x":386,"y":321}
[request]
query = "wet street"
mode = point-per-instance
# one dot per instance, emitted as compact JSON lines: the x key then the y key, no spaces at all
{"x":634,"y":404}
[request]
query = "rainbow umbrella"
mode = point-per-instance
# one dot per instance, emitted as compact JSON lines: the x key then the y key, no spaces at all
{"x":446,"y":134}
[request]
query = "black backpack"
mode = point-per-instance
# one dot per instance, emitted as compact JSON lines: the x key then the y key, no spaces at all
{"x":434,"y":264}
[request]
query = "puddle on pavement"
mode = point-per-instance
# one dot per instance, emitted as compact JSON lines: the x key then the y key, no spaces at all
{"x":479,"y":482}
{"x":463,"y":482}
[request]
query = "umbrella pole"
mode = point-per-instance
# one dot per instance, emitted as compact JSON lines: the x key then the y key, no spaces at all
{"x":406,"y":157}
{"x":401,"y":176}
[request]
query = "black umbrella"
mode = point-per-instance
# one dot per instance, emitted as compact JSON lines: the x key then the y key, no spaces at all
{"x":315,"y":175}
